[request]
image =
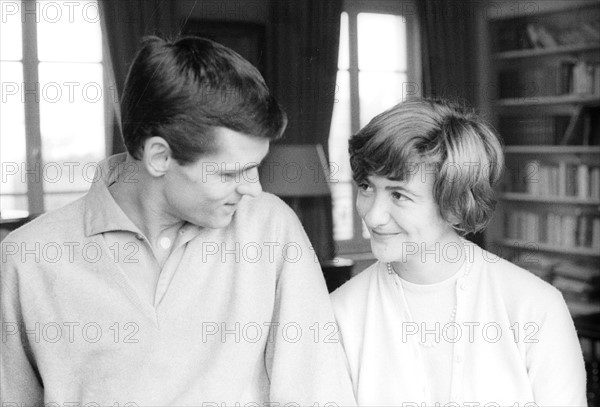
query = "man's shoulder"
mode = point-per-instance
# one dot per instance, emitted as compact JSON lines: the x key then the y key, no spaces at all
{"x":266,"y":208}
{"x":66,"y":221}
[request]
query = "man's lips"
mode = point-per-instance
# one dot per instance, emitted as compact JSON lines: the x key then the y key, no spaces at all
{"x":231,"y":206}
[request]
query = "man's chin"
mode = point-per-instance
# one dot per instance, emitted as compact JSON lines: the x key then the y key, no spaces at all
{"x":219,"y":223}
{"x":223,"y":221}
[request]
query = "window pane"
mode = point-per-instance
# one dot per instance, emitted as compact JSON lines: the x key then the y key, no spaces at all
{"x":12,"y":137}
{"x":381,"y":42}
{"x":343,"y":205}
{"x":344,"y":52}
{"x":69,"y":31}
{"x":340,"y":130}
{"x":72,"y":124}
{"x":379,"y":91}
{"x":11,"y":38}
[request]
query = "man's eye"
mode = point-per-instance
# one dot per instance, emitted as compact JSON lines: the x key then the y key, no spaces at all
{"x":398,"y":196}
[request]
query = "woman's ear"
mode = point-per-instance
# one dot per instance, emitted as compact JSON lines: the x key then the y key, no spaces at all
{"x":157,"y":156}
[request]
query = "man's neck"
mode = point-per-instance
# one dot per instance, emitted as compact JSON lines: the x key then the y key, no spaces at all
{"x":142,"y":203}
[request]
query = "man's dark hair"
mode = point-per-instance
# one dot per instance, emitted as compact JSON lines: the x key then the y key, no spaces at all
{"x":182,"y":90}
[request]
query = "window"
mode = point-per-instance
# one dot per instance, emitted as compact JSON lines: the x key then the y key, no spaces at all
{"x":377,"y":64}
{"x":52,"y":112}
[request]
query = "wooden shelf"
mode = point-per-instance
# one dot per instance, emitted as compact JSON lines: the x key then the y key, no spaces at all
{"x":537,"y":246}
{"x":523,"y":197}
{"x":537,"y":52}
{"x":589,"y":100}
{"x":552,"y":150}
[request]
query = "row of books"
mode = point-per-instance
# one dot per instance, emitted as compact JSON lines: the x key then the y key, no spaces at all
{"x":580,"y":77}
{"x":554,"y":180}
{"x":576,"y":279}
{"x":568,"y":77}
{"x":515,"y":35}
{"x":553,"y":229}
{"x":541,"y":36}
{"x":533,"y":130}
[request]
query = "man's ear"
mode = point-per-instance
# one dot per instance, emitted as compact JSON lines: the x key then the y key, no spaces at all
{"x":157,"y":156}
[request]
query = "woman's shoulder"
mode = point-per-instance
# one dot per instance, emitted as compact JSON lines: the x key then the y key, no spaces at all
{"x":515,"y":282}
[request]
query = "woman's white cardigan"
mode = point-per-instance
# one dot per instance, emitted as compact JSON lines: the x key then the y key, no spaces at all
{"x":518,"y":344}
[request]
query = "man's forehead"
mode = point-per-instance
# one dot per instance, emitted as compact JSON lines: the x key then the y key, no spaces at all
{"x":233,"y":149}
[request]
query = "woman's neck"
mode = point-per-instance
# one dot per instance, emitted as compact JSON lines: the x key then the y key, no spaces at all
{"x":434,"y":262}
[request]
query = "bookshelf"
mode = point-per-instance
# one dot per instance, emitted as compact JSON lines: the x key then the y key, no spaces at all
{"x":544,"y":68}
{"x":540,"y":74}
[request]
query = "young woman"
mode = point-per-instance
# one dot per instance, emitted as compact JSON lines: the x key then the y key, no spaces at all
{"x":438,"y":320}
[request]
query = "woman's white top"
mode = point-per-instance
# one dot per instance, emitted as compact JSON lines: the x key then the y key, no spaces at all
{"x":433,"y":308}
{"x":513,"y":340}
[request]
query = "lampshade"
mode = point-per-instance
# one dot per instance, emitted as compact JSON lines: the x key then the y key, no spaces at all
{"x":298,"y":170}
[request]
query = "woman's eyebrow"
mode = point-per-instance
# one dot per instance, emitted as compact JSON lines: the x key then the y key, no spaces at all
{"x":401,"y":188}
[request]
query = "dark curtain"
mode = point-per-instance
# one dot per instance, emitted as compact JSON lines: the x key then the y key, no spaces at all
{"x":125,"y":23}
{"x":448,"y":54}
{"x":302,"y":44}
{"x":448,"y":49}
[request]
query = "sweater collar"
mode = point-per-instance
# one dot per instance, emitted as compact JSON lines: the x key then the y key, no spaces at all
{"x":102,"y":213}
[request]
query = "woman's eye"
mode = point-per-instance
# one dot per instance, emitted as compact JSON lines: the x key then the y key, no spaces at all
{"x":363,"y":186}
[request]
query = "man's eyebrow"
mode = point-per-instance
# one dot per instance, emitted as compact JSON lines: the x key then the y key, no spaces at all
{"x":241,"y":168}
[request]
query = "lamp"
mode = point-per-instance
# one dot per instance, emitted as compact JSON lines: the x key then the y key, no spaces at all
{"x":295,"y":171}
{"x":298,"y":174}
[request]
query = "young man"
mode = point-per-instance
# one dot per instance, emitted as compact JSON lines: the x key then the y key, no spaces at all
{"x":174,"y":281}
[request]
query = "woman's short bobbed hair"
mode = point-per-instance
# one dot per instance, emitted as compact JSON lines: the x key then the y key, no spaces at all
{"x":448,"y":141}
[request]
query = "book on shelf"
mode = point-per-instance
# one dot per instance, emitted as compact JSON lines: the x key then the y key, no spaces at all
{"x":569,"y":77}
{"x":540,"y":265}
{"x":585,"y":33}
{"x":559,"y":230}
{"x":578,"y":289}
{"x":522,"y":34}
{"x":578,"y":270}
{"x":583,"y":77}
{"x":575,"y":279}
{"x":578,"y":307}
{"x":528,"y":83}
{"x":592,"y":31}
{"x":583,"y":180}
{"x":554,"y":180}
{"x":512,"y":35}
{"x":595,"y":183}
{"x":533,"y":130}
{"x":539,"y":36}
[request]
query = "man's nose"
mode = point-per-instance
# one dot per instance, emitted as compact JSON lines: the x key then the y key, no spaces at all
{"x":250,"y":183}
